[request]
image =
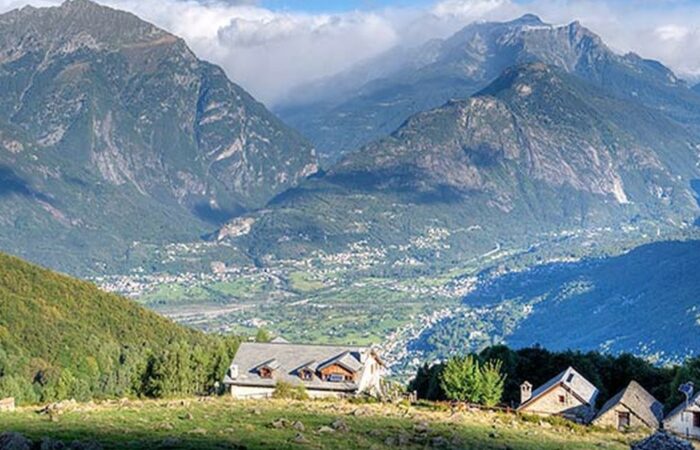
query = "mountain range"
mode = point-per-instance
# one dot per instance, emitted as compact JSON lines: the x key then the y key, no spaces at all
{"x":112,"y":131}
{"x":602,"y":304}
{"x":369,"y":101}
{"x":537,"y":151}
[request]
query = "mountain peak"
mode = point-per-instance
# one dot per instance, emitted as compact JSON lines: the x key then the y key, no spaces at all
{"x":528,"y":19}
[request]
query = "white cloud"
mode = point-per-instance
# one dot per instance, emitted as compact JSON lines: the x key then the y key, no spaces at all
{"x":272,"y":52}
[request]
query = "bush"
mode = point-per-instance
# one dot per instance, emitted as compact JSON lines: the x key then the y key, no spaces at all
{"x":290,"y":391}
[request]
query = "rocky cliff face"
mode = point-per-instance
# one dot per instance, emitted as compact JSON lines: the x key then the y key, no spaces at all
{"x":536,"y":152}
{"x":415,"y":80}
{"x":537,"y":123}
{"x":103,"y":115}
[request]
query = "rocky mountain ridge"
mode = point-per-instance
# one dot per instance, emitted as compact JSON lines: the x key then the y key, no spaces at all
{"x":403,"y":82}
{"x":104,"y":114}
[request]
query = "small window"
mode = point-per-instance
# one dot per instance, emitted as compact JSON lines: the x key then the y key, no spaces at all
{"x":623,"y":420}
{"x":570,"y":378}
{"x":306,"y":375}
{"x":562,"y":399}
{"x":336,"y":378}
{"x":696,"y":419}
{"x":265,"y":372}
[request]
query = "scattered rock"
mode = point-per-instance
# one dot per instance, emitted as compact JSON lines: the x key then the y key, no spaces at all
{"x":166,"y":426}
{"x":58,"y":407}
{"x":403,"y":439}
{"x":340,"y":425}
{"x":439,"y":441}
{"x":360,"y":412}
{"x":421,"y":427}
{"x":187,"y":416}
{"x":14,"y":441}
{"x":300,"y":439}
{"x":170,"y":442}
{"x":493,"y":435}
{"x":298,"y":426}
{"x":661,"y":441}
{"x":279,"y":423}
{"x":256,"y":411}
{"x":198,"y":431}
{"x":325,"y":429}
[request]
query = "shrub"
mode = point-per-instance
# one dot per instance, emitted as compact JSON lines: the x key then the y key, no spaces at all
{"x":290,"y":391}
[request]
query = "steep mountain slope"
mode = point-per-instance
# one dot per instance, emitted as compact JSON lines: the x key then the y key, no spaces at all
{"x":406,"y":81}
{"x":107,"y":121}
{"x":536,"y":152}
{"x":619,"y":295}
{"x":60,"y":335}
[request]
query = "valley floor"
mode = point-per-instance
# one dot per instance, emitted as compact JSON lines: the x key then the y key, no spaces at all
{"x":279,"y":424}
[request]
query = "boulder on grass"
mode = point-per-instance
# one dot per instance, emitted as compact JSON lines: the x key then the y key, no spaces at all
{"x":14,"y":441}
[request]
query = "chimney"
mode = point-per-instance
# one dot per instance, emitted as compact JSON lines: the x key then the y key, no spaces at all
{"x":525,"y":392}
{"x":233,"y":371}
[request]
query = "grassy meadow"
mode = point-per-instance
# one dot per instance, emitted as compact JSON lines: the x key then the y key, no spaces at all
{"x":280,"y":424}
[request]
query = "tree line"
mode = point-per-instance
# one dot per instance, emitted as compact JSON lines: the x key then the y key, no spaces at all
{"x":461,"y":378}
{"x":181,"y":367}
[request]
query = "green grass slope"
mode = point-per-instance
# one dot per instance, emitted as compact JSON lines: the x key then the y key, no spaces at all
{"x":227,"y":424}
{"x":60,"y":337}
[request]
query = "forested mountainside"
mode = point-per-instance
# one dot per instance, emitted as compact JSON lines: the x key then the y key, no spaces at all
{"x":62,"y":338}
{"x":112,"y":131}
{"x":538,"y":151}
{"x":644,"y":302}
{"x":373,"y":99}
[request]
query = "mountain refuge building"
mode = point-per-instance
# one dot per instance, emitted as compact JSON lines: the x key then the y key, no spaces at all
{"x":324,"y":370}
{"x":568,"y":394}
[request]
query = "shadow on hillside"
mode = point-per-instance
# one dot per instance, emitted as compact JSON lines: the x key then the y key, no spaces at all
{"x":11,"y":183}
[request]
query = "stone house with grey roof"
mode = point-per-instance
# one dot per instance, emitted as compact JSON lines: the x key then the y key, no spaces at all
{"x":684,"y":419}
{"x":568,"y":394}
{"x":633,"y":407}
{"x":324,"y":370}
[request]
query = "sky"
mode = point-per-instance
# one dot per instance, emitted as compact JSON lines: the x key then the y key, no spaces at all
{"x":272,"y":47}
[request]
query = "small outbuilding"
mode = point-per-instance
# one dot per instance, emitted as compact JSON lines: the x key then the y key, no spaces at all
{"x":684,"y":420}
{"x":569,"y":395}
{"x":633,"y":407}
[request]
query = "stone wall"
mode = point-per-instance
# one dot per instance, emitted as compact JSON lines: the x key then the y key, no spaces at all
{"x":549,"y":404}
{"x":610,"y":418}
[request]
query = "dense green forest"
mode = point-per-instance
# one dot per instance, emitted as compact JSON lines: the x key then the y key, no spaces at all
{"x":536,"y":365}
{"x":63,"y":338}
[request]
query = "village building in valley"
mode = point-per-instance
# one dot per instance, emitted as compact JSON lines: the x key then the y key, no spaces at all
{"x":633,"y":407}
{"x":324,"y":370}
{"x":568,"y":394}
{"x":684,"y":420}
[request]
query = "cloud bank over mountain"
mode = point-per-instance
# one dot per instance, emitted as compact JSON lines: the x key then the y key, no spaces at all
{"x":271,"y":52}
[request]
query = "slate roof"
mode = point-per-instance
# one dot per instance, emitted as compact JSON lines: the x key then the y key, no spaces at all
{"x":640,"y":402}
{"x":694,"y":400}
{"x":573,"y":381}
{"x":290,"y":359}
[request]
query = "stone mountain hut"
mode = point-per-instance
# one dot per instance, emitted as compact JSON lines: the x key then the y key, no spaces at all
{"x":633,"y":407}
{"x":568,"y":395}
